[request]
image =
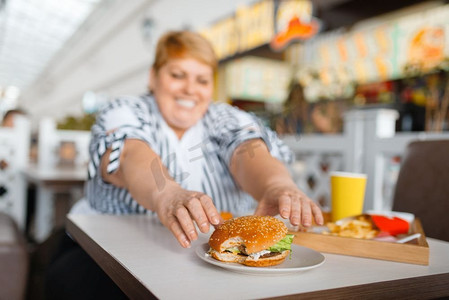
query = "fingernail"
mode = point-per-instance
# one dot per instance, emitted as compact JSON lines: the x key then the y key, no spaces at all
{"x":215,"y":220}
{"x":192,"y":235}
{"x":284,"y":214}
{"x":186,"y":244}
{"x":204,"y":227}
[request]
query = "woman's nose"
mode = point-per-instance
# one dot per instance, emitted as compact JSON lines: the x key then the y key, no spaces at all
{"x":189,"y":86}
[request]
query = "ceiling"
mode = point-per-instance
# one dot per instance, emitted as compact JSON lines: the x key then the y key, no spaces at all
{"x":31,"y":33}
{"x":347,"y":12}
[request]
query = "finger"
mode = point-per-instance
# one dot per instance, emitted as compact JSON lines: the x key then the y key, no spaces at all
{"x":175,"y":228}
{"x":306,"y":211}
{"x":317,"y":214}
{"x":198,"y":214}
{"x":211,"y":211}
{"x":296,"y":207}
{"x":186,"y":223}
{"x":260,"y":210}
{"x":285,"y":205}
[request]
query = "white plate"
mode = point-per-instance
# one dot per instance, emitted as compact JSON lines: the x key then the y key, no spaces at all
{"x":301,"y":259}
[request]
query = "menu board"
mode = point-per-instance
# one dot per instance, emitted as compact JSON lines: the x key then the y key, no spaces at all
{"x":379,"y":51}
{"x":257,"y":79}
{"x":423,"y":39}
{"x":250,"y":27}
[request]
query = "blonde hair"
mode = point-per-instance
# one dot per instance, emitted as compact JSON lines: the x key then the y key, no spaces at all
{"x":184,"y":44}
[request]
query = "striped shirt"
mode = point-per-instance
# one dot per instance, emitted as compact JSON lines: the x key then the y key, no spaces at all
{"x":199,"y":161}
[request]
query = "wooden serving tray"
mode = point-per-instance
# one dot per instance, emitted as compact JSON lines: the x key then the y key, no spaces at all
{"x":416,"y":252}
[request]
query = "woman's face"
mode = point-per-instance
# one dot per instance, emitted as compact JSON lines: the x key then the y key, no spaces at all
{"x":183,"y":90}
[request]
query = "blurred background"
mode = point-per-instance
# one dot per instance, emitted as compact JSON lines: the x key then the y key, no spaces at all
{"x":62,"y":59}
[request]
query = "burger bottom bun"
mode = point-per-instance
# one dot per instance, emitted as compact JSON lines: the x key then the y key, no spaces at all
{"x":248,"y":261}
{"x":228,"y":257}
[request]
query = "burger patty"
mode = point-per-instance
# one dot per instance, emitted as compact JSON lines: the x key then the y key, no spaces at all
{"x":266,"y":255}
{"x":271,"y":254}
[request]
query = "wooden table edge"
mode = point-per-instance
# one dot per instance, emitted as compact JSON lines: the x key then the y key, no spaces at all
{"x":132,"y":287}
{"x":421,"y":287}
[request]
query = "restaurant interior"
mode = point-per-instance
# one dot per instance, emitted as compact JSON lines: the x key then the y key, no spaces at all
{"x":348,"y":85}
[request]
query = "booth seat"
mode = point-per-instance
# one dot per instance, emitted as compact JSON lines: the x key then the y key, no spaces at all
{"x":422,"y":187}
{"x":13,"y":260}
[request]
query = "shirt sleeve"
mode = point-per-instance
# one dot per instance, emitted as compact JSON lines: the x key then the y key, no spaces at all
{"x":121,"y":119}
{"x":232,"y":126}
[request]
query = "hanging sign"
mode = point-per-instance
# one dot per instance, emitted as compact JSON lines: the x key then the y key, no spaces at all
{"x":274,"y":22}
{"x":293,"y":21}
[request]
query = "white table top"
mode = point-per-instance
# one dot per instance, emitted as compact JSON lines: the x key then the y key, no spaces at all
{"x":143,"y":258}
{"x":55,"y":175}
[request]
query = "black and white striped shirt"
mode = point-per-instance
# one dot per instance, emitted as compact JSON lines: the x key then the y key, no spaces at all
{"x":199,"y":161}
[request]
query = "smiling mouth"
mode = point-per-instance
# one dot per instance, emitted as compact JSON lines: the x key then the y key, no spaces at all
{"x":186,"y":103}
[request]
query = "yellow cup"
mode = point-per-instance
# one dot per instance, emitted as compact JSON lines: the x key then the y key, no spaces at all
{"x":347,"y":194}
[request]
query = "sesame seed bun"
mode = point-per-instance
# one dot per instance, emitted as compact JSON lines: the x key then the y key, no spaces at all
{"x":251,"y":234}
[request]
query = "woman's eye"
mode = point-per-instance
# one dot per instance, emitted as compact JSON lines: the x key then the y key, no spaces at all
{"x":203,"y":81}
{"x":177,"y":75}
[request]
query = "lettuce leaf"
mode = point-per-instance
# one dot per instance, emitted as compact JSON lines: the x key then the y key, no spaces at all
{"x":233,"y":250}
{"x":284,"y":244}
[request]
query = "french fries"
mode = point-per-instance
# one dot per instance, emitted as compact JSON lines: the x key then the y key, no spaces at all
{"x":225,"y":215}
{"x":360,"y":227}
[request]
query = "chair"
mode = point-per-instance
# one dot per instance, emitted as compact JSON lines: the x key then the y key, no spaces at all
{"x":64,"y":152}
{"x":422,"y":187}
{"x":14,"y":156}
{"x":66,"y":148}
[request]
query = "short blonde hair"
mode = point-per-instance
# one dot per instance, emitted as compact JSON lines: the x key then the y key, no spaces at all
{"x":184,"y":44}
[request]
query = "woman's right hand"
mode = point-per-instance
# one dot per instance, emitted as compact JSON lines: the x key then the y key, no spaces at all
{"x":178,"y":210}
{"x":142,"y":173}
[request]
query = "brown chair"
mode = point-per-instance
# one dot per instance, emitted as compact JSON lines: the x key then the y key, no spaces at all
{"x":13,"y":260}
{"x":422,"y":187}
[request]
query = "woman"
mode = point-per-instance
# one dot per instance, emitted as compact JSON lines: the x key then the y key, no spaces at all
{"x":184,"y":158}
{"x":177,"y":154}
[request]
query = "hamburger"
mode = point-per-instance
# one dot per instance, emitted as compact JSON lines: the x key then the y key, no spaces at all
{"x":254,"y":241}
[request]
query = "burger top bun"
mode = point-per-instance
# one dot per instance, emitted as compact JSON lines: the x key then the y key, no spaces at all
{"x":256,"y":233}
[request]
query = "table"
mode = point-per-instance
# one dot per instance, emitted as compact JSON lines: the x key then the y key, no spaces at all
{"x":145,"y":261}
{"x":48,"y":182}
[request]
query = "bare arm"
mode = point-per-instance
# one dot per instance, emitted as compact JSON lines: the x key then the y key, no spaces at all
{"x":142,"y":173}
{"x":136,"y":175}
{"x":269,"y":182}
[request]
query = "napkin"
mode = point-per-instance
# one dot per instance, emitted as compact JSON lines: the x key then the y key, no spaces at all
{"x":392,"y":222}
{"x":391,"y":225}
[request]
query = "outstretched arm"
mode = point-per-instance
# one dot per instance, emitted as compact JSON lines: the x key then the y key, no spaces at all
{"x":142,"y":173}
{"x":269,"y":182}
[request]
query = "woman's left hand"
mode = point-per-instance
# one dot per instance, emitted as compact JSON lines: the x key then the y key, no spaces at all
{"x":290,"y":203}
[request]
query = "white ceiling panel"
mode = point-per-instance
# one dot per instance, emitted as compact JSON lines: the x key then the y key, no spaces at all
{"x":32,"y":32}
